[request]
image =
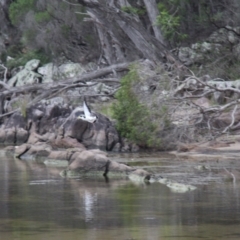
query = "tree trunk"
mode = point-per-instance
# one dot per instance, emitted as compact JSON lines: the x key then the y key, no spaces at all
{"x":153,"y":12}
{"x":126,"y":32}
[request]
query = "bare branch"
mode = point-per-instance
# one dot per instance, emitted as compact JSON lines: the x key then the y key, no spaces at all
{"x":195,"y":96}
{"x":69,"y":82}
{"x":107,"y":80}
{"x":9,"y":113}
{"x":4,"y":85}
{"x":233,"y":119}
{"x":74,"y":4}
{"x":222,"y":108}
{"x":53,"y":89}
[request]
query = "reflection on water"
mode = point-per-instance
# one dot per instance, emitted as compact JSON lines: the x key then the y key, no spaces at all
{"x":36,"y":203}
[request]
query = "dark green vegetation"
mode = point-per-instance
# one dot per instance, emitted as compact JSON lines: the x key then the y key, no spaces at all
{"x":54,"y":28}
{"x":19,"y":8}
{"x":185,"y":21}
{"x":20,"y":59}
{"x":133,"y":118}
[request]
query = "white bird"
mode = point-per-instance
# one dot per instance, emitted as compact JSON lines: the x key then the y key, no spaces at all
{"x":88,"y":116}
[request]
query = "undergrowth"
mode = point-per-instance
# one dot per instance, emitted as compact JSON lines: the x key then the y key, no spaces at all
{"x":133,"y":118}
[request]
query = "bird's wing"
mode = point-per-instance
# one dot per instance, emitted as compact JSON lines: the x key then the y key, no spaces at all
{"x":86,"y":110}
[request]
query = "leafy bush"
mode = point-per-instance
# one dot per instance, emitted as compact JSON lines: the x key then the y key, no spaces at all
{"x":41,"y":17}
{"x":170,"y":24}
{"x":19,"y":8}
{"x":21,"y":103}
{"x":133,"y":118}
{"x":55,"y":27}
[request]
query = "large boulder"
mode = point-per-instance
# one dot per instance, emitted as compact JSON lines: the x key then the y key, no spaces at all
{"x":100,"y":134}
{"x":81,"y":162}
{"x":27,"y":75}
{"x":47,"y":72}
{"x":69,"y":70}
{"x":51,"y":72}
{"x":14,"y":131}
{"x":55,"y":122}
{"x":199,"y":53}
{"x":32,"y":73}
{"x":223,"y":41}
{"x":225,"y":35}
{"x":96,"y":162}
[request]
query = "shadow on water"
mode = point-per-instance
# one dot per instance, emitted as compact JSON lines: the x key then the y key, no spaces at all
{"x":36,"y":203}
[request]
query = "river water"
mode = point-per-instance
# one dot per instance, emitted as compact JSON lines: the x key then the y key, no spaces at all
{"x":36,"y":203}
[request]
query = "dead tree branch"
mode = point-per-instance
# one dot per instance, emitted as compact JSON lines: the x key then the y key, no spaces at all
{"x":233,"y":119}
{"x":48,"y":90}
{"x":69,"y":83}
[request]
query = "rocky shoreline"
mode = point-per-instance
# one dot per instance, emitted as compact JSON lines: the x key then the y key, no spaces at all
{"x":185,"y":108}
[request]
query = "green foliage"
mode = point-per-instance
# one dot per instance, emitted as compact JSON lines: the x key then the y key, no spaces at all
{"x":19,"y":8}
{"x":169,"y":23}
{"x":133,"y":10}
{"x":51,"y":26}
{"x":22,"y":58}
{"x":41,"y":17}
{"x":22,"y":104}
{"x":106,"y":109}
{"x":187,"y":20}
{"x":133,"y":119}
{"x":218,"y":16}
{"x":28,"y":36}
{"x":14,"y":50}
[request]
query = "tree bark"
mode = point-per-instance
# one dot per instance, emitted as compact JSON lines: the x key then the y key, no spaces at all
{"x":110,"y":45}
{"x":52,"y":89}
{"x":135,"y":42}
{"x":153,"y":12}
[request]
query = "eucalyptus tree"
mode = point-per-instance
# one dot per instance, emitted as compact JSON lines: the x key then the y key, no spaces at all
{"x":56,"y":28}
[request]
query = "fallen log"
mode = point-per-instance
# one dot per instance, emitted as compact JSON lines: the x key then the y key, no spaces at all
{"x":44,"y":91}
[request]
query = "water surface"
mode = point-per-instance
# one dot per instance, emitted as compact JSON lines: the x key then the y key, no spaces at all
{"x":36,"y":203}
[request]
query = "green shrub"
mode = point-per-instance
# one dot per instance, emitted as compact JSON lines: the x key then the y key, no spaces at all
{"x":22,"y":104}
{"x":19,"y":8}
{"x":133,"y":118}
{"x":105,"y":109}
{"x":41,"y":17}
{"x":29,"y":35}
{"x":170,"y":24}
{"x":14,"y":50}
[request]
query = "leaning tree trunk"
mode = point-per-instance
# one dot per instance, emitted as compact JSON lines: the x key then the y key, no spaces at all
{"x":153,"y":12}
{"x":122,"y":35}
